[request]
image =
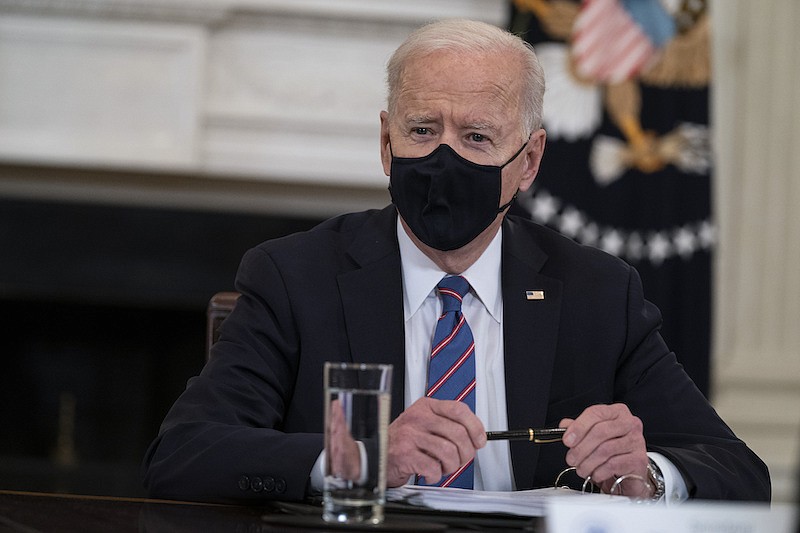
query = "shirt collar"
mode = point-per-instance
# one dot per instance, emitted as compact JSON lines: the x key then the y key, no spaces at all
{"x":420,"y":275}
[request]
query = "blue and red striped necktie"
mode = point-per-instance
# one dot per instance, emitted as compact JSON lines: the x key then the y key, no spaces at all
{"x":451,"y":371}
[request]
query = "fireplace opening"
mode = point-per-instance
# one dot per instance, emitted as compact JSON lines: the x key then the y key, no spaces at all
{"x":102,"y":322}
{"x":84,"y":389}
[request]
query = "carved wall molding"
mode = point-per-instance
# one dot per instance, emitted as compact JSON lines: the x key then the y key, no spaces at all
{"x":411,"y":12}
{"x":117,"y":93}
{"x":199,"y":12}
{"x":270,"y":91}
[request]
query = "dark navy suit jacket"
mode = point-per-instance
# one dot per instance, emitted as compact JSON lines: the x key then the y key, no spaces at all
{"x":249,"y":427}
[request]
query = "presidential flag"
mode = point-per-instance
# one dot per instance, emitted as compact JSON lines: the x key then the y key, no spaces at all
{"x":627,"y":166}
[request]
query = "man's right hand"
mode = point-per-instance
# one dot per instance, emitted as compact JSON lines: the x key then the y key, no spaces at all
{"x":432,"y":438}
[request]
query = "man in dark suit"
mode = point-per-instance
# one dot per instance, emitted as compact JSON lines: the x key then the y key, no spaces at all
{"x":562,"y":333}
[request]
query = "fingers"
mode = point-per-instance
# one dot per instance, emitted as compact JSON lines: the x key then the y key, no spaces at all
{"x":344,"y":457}
{"x":605,"y":442}
{"x":432,"y":438}
{"x":460,"y":414}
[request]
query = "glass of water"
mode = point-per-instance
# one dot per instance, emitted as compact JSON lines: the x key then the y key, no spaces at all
{"x":357,"y":405}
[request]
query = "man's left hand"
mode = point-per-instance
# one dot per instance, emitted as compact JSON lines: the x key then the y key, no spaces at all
{"x":606,"y":442}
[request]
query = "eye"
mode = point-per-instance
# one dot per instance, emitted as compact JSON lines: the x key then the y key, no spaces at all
{"x":477,"y":137}
{"x":421,"y":131}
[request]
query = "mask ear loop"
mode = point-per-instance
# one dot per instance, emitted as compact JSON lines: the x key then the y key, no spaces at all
{"x":516,"y":154}
{"x":504,"y":165}
{"x":508,"y":204}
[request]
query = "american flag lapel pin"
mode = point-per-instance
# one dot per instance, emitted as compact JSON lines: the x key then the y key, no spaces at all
{"x":534,"y":295}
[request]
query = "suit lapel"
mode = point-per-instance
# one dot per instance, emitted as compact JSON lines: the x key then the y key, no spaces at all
{"x":530,"y":337}
{"x":372,"y":301}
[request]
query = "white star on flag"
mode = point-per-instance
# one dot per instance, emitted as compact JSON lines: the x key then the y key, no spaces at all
{"x":543,"y":207}
{"x":589,"y":234}
{"x":658,"y":248}
{"x":612,"y":242}
{"x":571,"y":222}
{"x":685,"y":242}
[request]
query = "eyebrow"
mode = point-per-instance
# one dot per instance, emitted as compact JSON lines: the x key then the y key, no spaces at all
{"x":480,"y":126}
{"x":420,"y":119}
{"x":429,"y":119}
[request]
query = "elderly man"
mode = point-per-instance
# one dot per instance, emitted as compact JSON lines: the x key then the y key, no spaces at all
{"x":559,"y":334}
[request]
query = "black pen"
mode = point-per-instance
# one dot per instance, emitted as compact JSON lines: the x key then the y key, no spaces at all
{"x":536,"y":436}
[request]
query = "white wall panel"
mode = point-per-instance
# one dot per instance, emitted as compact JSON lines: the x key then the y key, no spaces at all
{"x":298,"y":99}
{"x":116,"y":93}
{"x":757,"y":282}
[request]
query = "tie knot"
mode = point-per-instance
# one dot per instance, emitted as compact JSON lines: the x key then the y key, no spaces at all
{"x":452,"y":290}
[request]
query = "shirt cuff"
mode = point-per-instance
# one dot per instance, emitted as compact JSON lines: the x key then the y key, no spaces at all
{"x":317,"y":477}
{"x":675,"y":490}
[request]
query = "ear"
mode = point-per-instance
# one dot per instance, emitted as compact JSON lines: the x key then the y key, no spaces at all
{"x":533,"y":157}
{"x":386,"y":151}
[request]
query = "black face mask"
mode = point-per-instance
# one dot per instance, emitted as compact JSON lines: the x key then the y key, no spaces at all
{"x":445,"y":199}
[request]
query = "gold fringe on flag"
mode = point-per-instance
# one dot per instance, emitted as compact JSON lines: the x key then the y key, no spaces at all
{"x":556,"y":16}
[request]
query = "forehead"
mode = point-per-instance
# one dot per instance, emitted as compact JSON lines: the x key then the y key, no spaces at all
{"x":468,"y":86}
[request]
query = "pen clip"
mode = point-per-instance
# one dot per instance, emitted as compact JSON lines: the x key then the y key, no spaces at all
{"x":546,"y":436}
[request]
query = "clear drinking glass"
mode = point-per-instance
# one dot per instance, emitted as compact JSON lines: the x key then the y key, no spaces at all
{"x":357,"y":405}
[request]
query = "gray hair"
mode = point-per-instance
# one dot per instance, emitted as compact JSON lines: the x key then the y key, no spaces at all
{"x":470,"y":36}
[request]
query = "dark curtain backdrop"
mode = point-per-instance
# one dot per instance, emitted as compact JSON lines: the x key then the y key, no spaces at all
{"x":627,"y":164}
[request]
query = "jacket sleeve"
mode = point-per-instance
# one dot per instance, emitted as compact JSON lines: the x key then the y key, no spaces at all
{"x":678,"y":420}
{"x":224,"y":439}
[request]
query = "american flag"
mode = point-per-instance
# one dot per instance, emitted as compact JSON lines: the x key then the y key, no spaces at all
{"x":609,"y":44}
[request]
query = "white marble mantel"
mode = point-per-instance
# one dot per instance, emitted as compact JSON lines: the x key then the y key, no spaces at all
{"x":271,"y":104}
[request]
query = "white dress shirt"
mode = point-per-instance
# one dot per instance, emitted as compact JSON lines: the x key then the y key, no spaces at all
{"x":483,"y":309}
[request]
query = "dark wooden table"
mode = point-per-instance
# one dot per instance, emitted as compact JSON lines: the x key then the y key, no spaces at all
{"x":31,"y":512}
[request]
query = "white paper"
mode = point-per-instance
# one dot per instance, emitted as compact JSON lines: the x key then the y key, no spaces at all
{"x":520,"y":503}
